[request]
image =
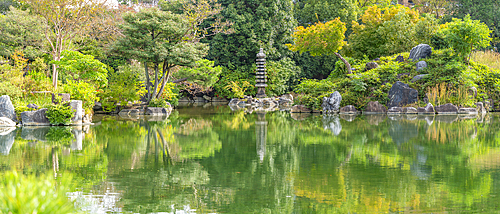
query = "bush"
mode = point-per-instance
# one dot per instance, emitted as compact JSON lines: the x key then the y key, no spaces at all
{"x":83,"y":91}
{"x":124,"y":85}
{"x":60,"y":114}
{"x":171,"y":93}
{"x":158,"y":103}
{"x":221,"y":87}
{"x":202,"y":73}
{"x":281,"y":76}
{"x":31,"y":194}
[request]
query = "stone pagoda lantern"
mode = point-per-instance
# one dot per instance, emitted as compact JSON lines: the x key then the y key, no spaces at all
{"x":261,"y":79}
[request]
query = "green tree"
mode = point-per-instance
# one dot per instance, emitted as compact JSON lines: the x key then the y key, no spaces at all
{"x":488,"y":11}
{"x":308,"y":12}
{"x":466,"y":35}
{"x":202,"y":73}
{"x":264,"y":24}
{"x":78,"y":66}
{"x":321,"y":39}
{"x":157,"y":37}
{"x":21,"y":31}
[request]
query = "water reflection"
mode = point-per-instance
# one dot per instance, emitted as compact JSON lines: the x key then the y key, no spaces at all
{"x":214,"y":160}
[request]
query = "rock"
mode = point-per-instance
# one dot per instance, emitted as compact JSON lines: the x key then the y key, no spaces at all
{"x":480,"y":108}
{"x":6,"y":122}
{"x":395,"y":110}
{"x":421,"y":65}
{"x":7,"y":136}
{"x":332,"y":123}
{"x":401,"y":94}
{"x":467,"y":111}
{"x":35,"y":118}
{"x":156,"y":111}
{"x":447,"y":109}
{"x":207,"y":98}
{"x":32,"y":106}
{"x":419,"y":77}
{"x":234,"y":102}
{"x":284,"y":102}
{"x":76,"y":105}
{"x":410,"y":110}
{"x":420,"y":52}
{"x":87,"y":118}
{"x":300,"y":109}
{"x":400,"y":58}
{"x":97,"y":106}
{"x":375,"y":108}
{"x":348,"y":110}
{"x":126,"y":112}
{"x":331,"y":104}
{"x":7,"y":109}
{"x":62,"y":96}
{"x":429,"y":109}
{"x":370,"y":66}
{"x":288,"y":96}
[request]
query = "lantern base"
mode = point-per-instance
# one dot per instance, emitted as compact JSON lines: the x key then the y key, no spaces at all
{"x":261,"y":93}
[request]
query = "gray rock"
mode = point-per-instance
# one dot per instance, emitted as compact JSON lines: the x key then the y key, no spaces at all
{"x":156,"y":111}
{"x":62,"y":96}
{"x":420,"y":52}
{"x":429,"y":109}
{"x":331,"y":104}
{"x":7,"y":109}
{"x":87,"y":118}
{"x":410,"y":110}
{"x":97,"y":106}
{"x":401,"y":94}
{"x":374,"y":107}
{"x":32,"y":106}
{"x":7,"y":136}
{"x":35,"y":118}
{"x":480,"y":108}
{"x":447,"y":109}
{"x":284,"y":102}
{"x":207,"y":98}
{"x":300,"y":109}
{"x":395,"y":110}
{"x":419,"y":77}
{"x":77,"y":106}
{"x":467,"y":111}
{"x":126,"y":112}
{"x":421,"y":65}
{"x":234,"y":102}
{"x":400,"y":58}
{"x":348,"y":110}
{"x":6,"y":122}
{"x":371,"y":65}
{"x":288,"y":96}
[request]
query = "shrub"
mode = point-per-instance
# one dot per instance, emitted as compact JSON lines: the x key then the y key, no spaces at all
{"x":238,"y":88}
{"x":281,"y":75}
{"x":60,"y":114}
{"x":202,"y":73}
{"x":31,"y":194}
{"x":221,"y":87}
{"x":124,"y":85}
{"x":171,"y":93}
{"x":83,"y":91}
{"x":158,"y":103}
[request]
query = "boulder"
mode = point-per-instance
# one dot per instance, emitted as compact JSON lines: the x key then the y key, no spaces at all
{"x":348,"y":110}
{"x":420,"y":52}
{"x":421,"y":65}
{"x":270,"y":103}
{"x":234,"y":102}
{"x":375,"y":108}
{"x":6,"y":122}
{"x":156,"y":111}
{"x":7,"y":109}
{"x":284,"y":102}
{"x":300,"y":109}
{"x":35,"y":118}
{"x":400,"y":58}
{"x":410,"y":110}
{"x":87,"y":118}
{"x":429,"y":109}
{"x":419,"y":77}
{"x":371,"y":65}
{"x":97,"y":106}
{"x":480,"y":108}
{"x":77,"y":106}
{"x":401,"y":94}
{"x":207,"y":98}
{"x":288,"y":96}
{"x":447,"y":109}
{"x":331,"y":104}
{"x":62,"y":97}
{"x":395,"y":110}
{"x":467,"y":111}
{"x":32,"y":106}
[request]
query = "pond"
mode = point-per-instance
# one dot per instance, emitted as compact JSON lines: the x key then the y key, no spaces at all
{"x":214,"y":160}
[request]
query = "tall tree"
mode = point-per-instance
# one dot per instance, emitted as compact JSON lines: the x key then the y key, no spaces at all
{"x":64,"y":20}
{"x":435,"y":7}
{"x":308,"y":12}
{"x":264,"y":24}
{"x":156,"y":37}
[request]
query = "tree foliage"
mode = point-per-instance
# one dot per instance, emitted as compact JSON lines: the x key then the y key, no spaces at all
{"x":78,"y":66}
{"x":466,"y":35}
{"x":156,"y":37}
{"x":311,"y":11}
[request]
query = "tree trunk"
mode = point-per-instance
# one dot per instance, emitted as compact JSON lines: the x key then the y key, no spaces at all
{"x":148,"y":98}
{"x":347,"y":65}
{"x":54,"y":76}
{"x":165,"y":79}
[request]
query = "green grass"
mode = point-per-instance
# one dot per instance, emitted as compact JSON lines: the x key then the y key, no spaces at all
{"x":489,"y":58}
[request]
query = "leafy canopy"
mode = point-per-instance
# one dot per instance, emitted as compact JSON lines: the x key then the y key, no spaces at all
{"x":83,"y":67}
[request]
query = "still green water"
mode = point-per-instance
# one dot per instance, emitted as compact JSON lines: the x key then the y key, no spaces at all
{"x":213,"y":160}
